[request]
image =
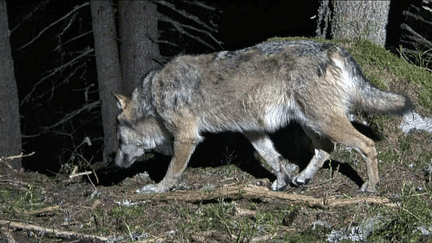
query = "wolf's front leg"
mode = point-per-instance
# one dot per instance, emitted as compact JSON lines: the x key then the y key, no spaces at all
{"x":183,"y":150}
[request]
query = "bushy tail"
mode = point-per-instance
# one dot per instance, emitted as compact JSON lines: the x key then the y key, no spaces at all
{"x":375,"y":100}
{"x":367,"y":96}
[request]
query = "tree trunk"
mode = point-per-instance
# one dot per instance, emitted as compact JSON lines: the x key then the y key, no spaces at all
{"x":108,"y":70}
{"x":138,"y":48}
{"x":354,"y":20}
{"x":10,"y":131}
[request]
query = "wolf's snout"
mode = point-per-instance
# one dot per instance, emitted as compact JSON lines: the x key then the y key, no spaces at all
{"x":121,"y":160}
{"x":125,"y":160}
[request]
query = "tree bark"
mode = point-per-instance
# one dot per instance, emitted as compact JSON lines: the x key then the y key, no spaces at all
{"x":10,"y":131}
{"x":354,"y":20}
{"x":108,"y":70}
{"x":138,"y":48}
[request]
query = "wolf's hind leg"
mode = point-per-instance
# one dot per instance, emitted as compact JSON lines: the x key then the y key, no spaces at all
{"x":342,"y":131}
{"x":281,"y":168}
{"x":323,"y":148}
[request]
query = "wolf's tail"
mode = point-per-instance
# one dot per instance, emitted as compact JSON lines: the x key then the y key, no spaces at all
{"x":375,"y":100}
{"x":370,"y":98}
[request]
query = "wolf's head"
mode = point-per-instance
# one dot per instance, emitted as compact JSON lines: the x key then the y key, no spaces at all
{"x":139,"y":130}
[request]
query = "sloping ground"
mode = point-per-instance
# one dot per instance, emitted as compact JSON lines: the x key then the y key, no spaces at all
{"x":224,"y":196}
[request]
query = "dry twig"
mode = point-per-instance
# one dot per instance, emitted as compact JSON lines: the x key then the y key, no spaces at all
{"x":198,"y":25}
{"x":56,"y":70}
{"x":80,"y":174}
{"x":73,"y":114}
{"x":22,"y":155}
{"x":54,"y":23}
{"x":5,"y":159}
{"x":43,"y":210}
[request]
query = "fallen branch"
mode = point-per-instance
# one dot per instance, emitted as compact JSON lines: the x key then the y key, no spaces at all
{"x":43,"y":210}
{"x":22,"y":155}
{"x":5,"y":159}
{"x":80,"y":174}
{"x":17,"y":183}
{"x":55,"y":232}
{"x":253,"y":192}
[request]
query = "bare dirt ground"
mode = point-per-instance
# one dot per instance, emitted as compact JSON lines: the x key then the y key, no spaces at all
{"x":224,"y":197}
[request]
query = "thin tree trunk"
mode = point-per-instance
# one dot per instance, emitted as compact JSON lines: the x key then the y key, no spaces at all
{"x":324,"y":19}
{"x":108,"y":69}
{"x":10,"y":131}
{"x":139,"y":48}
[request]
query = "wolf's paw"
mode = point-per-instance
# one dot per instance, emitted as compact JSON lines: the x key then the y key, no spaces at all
{"x":152,"y":188}
{"x":284,"y":176}
{"x":281,"y":183}
{"x":299,"y":180}
{"x":366,"y":187}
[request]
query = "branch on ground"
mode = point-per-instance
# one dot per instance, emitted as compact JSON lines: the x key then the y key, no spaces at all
{"x":51,"y":231}
{"x":259,"y":192}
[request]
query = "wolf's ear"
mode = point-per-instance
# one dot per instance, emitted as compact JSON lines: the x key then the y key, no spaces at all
{"x":122,"y":101}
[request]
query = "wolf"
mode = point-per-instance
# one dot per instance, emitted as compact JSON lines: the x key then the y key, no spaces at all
{"x":253,"y":91}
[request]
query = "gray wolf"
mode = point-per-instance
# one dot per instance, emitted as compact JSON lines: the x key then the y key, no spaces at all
{"x":253,"y":91}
